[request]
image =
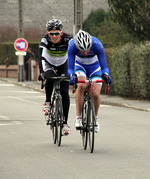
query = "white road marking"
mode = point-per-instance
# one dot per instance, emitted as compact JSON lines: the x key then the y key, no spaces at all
{"x":10,"y":123}
{"x":32,"y":92}
{"x":20,"y":99}
{"x":100,"y":105}
{"x":4,"y":117}
{"x":6,"y":85}
{"x":7,"y":121}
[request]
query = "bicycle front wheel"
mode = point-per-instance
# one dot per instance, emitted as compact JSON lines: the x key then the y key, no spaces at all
{"x":53,"y":121}
{"x":84,"y":131}
{"x":59,"y":120}
{"x":91,"y":124}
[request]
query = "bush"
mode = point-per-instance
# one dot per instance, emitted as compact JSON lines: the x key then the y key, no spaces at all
{"x":120,"y":71}
{"x":93,"y":19}
{"x":130,"y":71}
{"x":140,"y":76}
{"x":7,"y":50}
{"x":110,"y":33}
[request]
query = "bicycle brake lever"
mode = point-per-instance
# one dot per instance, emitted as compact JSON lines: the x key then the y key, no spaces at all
{"x":75,"y":86}
{"x":73,"y":90}
{"x":107,"y":88}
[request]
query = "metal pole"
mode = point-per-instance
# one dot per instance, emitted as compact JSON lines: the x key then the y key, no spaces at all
{"x":74,"y":27}
{"x":20,"y":35}
{"x":78,"y":15}
{"x":20,"y":15}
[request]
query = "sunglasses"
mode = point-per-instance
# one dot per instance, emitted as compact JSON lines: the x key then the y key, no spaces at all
{"x":55,"y":33}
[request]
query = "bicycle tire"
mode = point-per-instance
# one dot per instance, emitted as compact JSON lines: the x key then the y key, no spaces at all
{"x":84,"y":131}
{"x":91,"y":125}
{"x":59,"y":120}
{"x":53,"y":121}
{"x":54,"y":132}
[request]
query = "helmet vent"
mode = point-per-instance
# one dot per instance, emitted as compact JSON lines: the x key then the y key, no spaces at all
{"x":83,"y":40}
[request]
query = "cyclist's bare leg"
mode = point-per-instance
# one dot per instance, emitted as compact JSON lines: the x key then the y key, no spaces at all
{"x":96,"y":97}
{"x":79,"y":96}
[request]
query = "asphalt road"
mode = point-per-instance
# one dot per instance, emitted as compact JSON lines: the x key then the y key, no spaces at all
{"x":122,"y":147}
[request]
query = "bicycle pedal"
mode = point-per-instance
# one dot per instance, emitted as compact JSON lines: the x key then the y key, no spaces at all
{"x":46,"y":113}
{"x":66,"y":132}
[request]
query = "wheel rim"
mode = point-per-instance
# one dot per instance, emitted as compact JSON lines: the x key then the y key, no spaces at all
{"x":54,"y":132}
{"x":84,"y":131}
{"x":91,"y":118}
{"x":59,"y":122}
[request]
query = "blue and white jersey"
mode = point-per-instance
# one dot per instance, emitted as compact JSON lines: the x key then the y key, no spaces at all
{"x":96,"y":54}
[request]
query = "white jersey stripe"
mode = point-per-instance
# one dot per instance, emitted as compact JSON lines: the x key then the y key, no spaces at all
{"x":87,"y":61}
{"x":56,"y":61}
{"x":94,"y":71}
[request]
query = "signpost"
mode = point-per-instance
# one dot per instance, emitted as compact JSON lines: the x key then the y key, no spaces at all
{"x":20,"y":45}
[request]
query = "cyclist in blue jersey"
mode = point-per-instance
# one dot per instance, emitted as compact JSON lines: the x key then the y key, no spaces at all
{"x":86,"y":59}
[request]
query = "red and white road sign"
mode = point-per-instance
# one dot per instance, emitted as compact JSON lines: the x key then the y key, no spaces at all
{"x":21,"y":44}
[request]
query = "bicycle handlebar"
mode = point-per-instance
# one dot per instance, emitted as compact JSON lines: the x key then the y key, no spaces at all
{"x":58,"y":78}
{"x":93,"y":81}
{"x":53,"y":78}
{"x":90,"y":81}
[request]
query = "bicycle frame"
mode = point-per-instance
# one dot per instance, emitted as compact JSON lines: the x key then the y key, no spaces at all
{"x":88,"y":114}
{"x":56,"y":116}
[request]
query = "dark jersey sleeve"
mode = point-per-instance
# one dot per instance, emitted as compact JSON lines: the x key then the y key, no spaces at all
{"x":40,"y":60}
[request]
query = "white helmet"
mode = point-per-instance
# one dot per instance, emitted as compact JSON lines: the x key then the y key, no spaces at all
{"x":83,"y":40}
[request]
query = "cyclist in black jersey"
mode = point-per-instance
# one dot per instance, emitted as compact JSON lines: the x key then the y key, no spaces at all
{"x":53,"y":58}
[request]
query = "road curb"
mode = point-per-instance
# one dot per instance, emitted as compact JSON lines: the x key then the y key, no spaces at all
{"x":124,"y":105}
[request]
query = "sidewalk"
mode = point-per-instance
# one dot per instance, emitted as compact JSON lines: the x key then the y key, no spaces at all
{"x":143,"y":105}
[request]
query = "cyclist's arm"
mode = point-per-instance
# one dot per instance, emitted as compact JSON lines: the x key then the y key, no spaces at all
{"x":40,"y":61}
{"x":41,"y":58}
{"x":101,"y":56}
{"x":71,"y":57}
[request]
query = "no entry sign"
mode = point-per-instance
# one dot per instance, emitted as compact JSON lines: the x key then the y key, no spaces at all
{"x":21,"y":44}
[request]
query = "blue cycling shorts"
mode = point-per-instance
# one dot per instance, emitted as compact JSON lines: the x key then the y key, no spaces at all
{"x":92,"y":71}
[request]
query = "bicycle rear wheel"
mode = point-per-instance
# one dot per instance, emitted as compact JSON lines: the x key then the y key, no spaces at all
{"x":84,"y":131}
{"x":59,"y":120}
{"x":91,"y":124}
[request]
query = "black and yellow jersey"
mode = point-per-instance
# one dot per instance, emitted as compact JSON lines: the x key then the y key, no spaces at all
{"x":54,"y":54}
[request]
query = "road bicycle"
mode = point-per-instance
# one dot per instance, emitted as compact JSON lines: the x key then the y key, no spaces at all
{"x":56,"y":117}
{"x":88,"y":114}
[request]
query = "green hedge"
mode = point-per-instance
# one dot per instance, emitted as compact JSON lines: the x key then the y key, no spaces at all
{"x":8,"y":50}
{"x":130,"y":71}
